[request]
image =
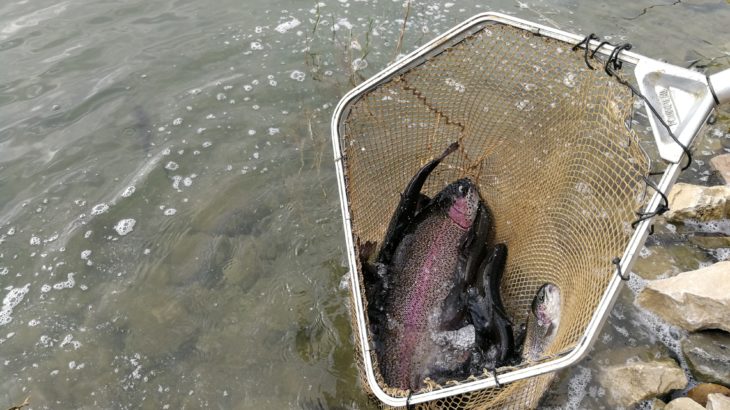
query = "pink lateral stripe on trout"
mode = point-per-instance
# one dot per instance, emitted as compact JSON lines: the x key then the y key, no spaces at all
{"x":426,"y":315}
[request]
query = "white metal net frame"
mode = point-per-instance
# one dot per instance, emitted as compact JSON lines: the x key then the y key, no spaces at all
{"x":603,"y":307}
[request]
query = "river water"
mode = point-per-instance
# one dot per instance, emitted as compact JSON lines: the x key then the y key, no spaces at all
{"x":170,"y":232}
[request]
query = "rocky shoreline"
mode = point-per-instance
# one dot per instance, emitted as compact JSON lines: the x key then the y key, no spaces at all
{"x":697,"y":375}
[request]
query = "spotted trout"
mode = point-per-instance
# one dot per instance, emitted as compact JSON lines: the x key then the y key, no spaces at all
{"x":425,"y":321}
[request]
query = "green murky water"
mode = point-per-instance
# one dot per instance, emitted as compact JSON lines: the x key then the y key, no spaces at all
{"x":170,"y":234}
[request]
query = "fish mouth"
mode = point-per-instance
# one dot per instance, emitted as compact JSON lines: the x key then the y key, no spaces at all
{"x":465,"y":202}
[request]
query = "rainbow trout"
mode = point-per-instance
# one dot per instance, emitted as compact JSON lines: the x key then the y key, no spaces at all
{"x":431,"y":291}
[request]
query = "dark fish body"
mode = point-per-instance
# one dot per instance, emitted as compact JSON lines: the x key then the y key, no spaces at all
{"x":433,"y":292}
{"x":424,"y":272}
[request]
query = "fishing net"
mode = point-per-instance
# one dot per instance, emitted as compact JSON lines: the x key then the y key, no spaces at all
{"x":546,"y":139}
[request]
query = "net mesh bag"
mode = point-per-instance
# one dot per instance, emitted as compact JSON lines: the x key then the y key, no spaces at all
{"x":546,"y":140}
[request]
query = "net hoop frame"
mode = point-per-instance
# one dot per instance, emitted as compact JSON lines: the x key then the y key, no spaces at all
{"x":609,"y":297}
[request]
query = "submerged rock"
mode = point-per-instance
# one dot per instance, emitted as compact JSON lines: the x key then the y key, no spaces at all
{"x":711,"y":241}
{"x":637,"y":380}
{"x":700,"y":392}
{"x":721,"y":164}
{"x":687,"y":201}
{"x":683,"y":403}
{"x":708,"y":356}
{"x":718,"y":401}
{"x":694,"y":300}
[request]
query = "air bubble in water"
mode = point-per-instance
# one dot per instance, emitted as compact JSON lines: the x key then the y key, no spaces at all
{"x":297,"y":75}
{"x":125,"y":226}
{"x":99,"y":209}
{"x":67,"y":284}
{"x":255,"y":45}
{"x":34,"y":240}
{"x":171,"y":166}
{"x":85,"y":254}
{"x":359,"y":64}
{"x":128,"y":191}
{"x":177,"y":121}
{"x":220,"y":97}
{"x":170,"y":211}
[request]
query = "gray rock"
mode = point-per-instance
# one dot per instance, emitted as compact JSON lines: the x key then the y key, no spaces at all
{"x":708,"y":356}
{"x":687,"y":201}
{"x":717,"y":401}
{"x":683,"y":403}
{"x":694,"y":300}
{"x":721,"y":164}
{"x":636,"y":380}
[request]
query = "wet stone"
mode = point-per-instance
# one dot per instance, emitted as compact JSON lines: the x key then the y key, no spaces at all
{"x":700,"y":203}
{"x":718,"y":401}
{"x":635,"y":374}
{"x":708,"y":356}
{"x":721,"y":165}
{"x":700,"y":392}
{"x":668,"y":259}
{"x":694,"y":300}
{"x":711,"y":241}
{"x":683,"y":403}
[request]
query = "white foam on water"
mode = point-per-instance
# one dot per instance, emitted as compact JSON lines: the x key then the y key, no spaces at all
{"x":577,"y":388}
{"x":177,"y":121}
{"x":4,"y":270}
{"x":99,"y":209}
{"x":128,"y":191}
{"x":170,"y":211}
{"x":69,"y":340}
{"x":721,"y":254}
{"x":288,"y":25}
{"x":35,"y":241}
{"x":722,"y":226}
{"x":67,"y":284}
{"x":85,"y":254}
{"x":10,"y":301}
{"x":172,"y":166}
{"x":125,"y":226}
{"x":255,"y":45}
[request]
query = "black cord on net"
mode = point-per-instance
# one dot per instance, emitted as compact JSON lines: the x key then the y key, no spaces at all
{"x":409,"y":406}
{"x":661,"y":208}
{"x":612,"y":64}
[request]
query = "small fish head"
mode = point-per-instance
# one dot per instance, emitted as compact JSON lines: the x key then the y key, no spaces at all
{"x":462,"y":198}
{"x":546,"y":305}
